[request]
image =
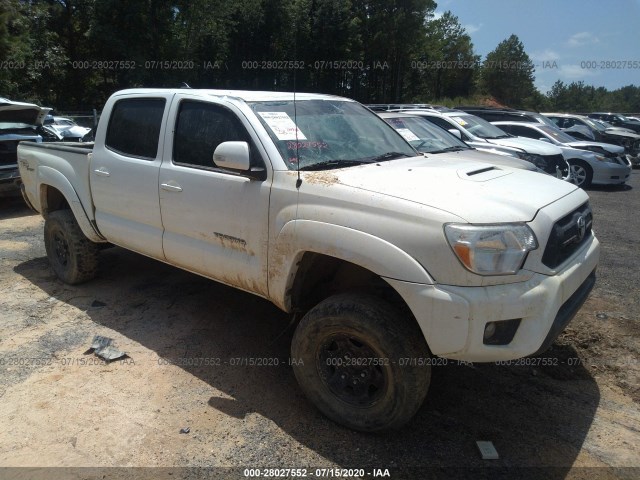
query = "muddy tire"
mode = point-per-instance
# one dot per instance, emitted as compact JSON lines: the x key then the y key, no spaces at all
{"x":73,"y":257}
{"x":361,"y":363}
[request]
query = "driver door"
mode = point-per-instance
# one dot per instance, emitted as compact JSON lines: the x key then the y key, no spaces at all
{"x":215,"y":221}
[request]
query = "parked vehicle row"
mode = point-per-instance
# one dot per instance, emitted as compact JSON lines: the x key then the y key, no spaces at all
{"x":582,"y":127}
{"x":390,"y":257}
{"x":591,"y":162}
{"x":28,"y":122}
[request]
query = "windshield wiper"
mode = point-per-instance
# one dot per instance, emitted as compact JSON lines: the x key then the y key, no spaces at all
{"x":385,"y":157}
{"x":450,"y":149}
{"x":329,"y":164}
{"x":499,"y":136}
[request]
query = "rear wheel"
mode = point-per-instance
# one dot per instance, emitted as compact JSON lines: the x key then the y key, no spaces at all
{"x":581,"y":173}
{"x":73,"y":257}
{"x":361,"y":363}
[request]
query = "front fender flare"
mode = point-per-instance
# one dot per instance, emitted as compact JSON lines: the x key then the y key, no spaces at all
{"x":373,"y":253}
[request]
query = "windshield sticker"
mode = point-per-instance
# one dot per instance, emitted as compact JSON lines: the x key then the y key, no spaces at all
{"x":408,"y":135}
{"x":282,"y":125}
{"x":306,"y":145}
{"x":460,"y":121}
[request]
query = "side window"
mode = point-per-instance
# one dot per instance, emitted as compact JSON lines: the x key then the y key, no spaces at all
{"x":134,"y":127}
{"x":525,"y":132}
{"x":200,"y":128}
{"x":440,"y":122}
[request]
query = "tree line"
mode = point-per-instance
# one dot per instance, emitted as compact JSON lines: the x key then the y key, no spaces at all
{"x":72,"y":54}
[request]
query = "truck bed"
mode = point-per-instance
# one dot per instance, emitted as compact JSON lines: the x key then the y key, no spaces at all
{"x":59,"y":164}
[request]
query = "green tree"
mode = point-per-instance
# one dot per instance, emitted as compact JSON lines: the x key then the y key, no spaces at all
{"x":508,"y":74}
{"x":449,"y":57}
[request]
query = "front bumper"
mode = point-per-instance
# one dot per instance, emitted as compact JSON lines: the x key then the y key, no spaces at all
{"x":611,"y":174}
{"x":453,"y":319}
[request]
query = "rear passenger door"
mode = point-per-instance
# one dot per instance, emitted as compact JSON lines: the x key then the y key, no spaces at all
{"x":215,"y":221}
{"x":124,"y":172}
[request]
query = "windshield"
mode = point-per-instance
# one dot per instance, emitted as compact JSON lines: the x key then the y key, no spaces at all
{"x":335,"y":133}
{"x":597,"y":125}
{"x":424,"y":136}
{"x":477,"y":126}
{"x":542,"y":119}
{"x":557,"y":134}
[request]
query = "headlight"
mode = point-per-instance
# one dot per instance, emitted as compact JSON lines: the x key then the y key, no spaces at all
{"x":491,"y":249}
{"x":602,"y":158}
{"x":537,"y":160}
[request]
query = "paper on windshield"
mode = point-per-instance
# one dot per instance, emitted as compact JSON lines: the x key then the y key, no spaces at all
{"x":282,"y":125}
{"x":460,"y":121}
{"x":408,"y":134}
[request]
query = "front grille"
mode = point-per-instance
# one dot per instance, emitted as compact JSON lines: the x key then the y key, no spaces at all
{"x":8,"y":153}
{"x":567,"y":235}
{"x":553,"y":161}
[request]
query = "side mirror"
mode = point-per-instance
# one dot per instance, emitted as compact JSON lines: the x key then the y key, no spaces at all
{"x":232,"y":156}
{"x":544,"y":139}
{"x":455,"y":132}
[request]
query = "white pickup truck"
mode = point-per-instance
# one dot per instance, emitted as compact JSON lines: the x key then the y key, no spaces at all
{"x":392,"y":258}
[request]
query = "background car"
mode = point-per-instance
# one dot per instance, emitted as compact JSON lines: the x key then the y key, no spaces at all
{"x":617,"y":120}
{"x":432,"y":140}
{"x":597,"y":163}
{"x":585,"y":128}
{"x":492,"y":114}
{"x":66,"y":129}
{"x":18,"y":122}
{"x":480,"y":134}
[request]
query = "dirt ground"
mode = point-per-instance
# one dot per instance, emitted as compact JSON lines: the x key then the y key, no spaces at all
{"x":189,"y":340}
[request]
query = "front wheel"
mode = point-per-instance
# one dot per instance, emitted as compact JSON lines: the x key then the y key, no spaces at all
{"x":581,"y":173}
{"x":361,"y":363}
{"x":73,"y":257}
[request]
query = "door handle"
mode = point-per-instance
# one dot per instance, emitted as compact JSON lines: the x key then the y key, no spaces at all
{"x":103,"y":172}
{"x":171,"y":187}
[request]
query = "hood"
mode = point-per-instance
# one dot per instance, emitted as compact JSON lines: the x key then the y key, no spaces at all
{"x":475,"y":191}
{"x":18,"y":112}
{"x":581,"y":129}
{"x":602,"y":148}
{"x":496,"y":159}
{"x":528,"y":144}
{"x":622,"y":132}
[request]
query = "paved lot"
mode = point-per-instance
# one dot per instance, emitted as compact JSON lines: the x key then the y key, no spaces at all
{"x":189,"y":341}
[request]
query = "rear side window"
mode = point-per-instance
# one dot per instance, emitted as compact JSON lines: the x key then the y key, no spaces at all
{"x":200,"y":128}
{"x":134,"y":127}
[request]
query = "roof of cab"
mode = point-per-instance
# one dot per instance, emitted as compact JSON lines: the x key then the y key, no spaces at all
{"x":246,"y":95}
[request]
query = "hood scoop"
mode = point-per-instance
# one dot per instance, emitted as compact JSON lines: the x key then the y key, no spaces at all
{"x":481,"y":173}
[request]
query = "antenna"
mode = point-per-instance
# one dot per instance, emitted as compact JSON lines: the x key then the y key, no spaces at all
{"x":295,"y":109}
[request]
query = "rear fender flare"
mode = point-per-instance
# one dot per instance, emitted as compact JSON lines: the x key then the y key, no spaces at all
{"x":51,"y":178}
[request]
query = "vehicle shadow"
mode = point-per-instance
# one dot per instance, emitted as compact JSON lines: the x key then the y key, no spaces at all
{"x":537,"y":416}
{"x":610,"y":188}
{"x":14,"y":207}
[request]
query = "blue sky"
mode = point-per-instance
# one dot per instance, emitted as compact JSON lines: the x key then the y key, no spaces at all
{"x":567,"y":32}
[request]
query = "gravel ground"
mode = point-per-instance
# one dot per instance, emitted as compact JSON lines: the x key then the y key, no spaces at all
{"x":188,"y":339}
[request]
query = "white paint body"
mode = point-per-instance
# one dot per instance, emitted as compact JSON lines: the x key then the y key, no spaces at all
{"x":386,"y":217}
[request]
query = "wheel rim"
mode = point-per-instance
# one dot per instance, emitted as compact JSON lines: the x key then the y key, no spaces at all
{"x":579,"y":174}
{"x":352,"y":370}
{"x":61,"y":249}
